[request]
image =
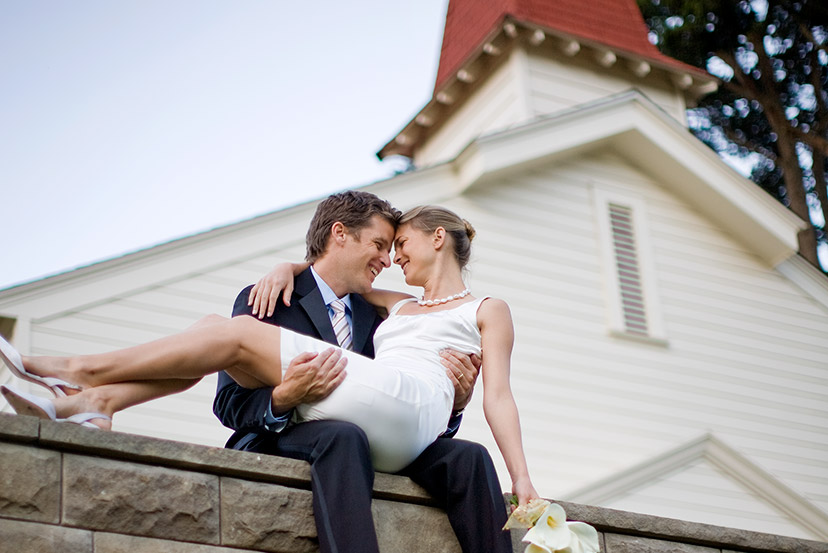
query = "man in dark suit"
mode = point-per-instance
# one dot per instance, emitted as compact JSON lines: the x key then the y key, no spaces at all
{"x":348,"y":242}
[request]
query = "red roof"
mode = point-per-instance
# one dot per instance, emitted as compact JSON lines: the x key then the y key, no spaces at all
{"x":614,"y":23}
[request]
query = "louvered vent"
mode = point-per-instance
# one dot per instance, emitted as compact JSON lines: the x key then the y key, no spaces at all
{"x":629,"y":274}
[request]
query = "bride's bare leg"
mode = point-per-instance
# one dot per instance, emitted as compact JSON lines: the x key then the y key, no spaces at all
{"x":111,"y":398}
{"x":248,"y":349}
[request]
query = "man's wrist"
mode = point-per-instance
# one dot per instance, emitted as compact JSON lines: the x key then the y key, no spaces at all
{"x":279,"y":403}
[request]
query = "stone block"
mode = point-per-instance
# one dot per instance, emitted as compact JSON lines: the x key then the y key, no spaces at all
{"x":29,"y":483}
{"x":408,"y":527}
{"x":620,"y":543}
{"x":121,"y":543}
{"x":131,"y":498}
{"x":267,"y":517}
{"x":19,"y":428}
{"x":400,"y":488}
{"x":32,"y":537}
{"x":143,"y":449}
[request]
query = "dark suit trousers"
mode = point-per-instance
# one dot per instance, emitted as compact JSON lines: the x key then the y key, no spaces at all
{"x":460,"y":475}
{"x":342,"y":479}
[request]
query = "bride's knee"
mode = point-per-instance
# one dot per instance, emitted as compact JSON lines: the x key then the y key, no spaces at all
{"x":242,"y":329}
{"x":209,"y":320}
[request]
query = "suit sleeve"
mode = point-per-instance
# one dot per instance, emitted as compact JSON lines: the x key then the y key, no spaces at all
{"x":242,"y":408}
{"x":453,"y":425}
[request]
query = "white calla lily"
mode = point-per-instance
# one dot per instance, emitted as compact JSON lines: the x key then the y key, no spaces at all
{"x":550,"y":531}
{"x":584,"y":538}
{"x":532,"y":548}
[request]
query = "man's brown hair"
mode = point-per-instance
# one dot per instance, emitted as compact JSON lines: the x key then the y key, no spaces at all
{"x":353,"y":209}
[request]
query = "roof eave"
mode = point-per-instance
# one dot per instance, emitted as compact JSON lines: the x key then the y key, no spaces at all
{"x":695,"y":82}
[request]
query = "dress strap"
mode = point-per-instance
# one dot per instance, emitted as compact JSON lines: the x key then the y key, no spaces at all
{"x":397,"y":306}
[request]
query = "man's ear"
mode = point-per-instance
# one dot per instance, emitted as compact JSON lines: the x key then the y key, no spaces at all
{"x":438,"y":237}
{"x":338,"y":233}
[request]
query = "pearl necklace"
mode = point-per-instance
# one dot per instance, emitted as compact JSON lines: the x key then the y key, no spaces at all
{"x":429,"y":303}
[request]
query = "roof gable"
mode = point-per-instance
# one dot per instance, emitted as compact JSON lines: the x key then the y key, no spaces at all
{"x":739,"y":471}
{"x":641,"y":132}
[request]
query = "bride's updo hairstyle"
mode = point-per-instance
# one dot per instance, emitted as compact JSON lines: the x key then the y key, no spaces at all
{"x":429,"y":218}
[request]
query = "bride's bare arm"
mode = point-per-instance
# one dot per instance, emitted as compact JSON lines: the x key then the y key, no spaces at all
{"x":495,"y":322}
{"x":279,"y":282}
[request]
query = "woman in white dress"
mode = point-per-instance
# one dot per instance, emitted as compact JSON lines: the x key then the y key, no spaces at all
{"x":402,"y":399}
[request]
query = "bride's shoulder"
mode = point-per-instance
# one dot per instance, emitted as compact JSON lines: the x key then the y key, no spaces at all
{"x":492,"y":306}
{"x":494,"y":317}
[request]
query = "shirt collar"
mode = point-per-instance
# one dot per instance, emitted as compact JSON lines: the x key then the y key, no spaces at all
{"x":328,"y":295}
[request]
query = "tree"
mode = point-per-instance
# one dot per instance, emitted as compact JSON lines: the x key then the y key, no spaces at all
{"x":772,"y":105}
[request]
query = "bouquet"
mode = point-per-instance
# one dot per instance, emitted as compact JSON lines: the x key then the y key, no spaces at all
{"x":549,"y":531}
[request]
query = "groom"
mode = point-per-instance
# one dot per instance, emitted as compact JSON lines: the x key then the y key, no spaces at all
{"x":348,"y":244}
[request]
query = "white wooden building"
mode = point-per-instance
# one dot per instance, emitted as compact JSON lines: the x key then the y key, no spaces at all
{"x":671,"y":355}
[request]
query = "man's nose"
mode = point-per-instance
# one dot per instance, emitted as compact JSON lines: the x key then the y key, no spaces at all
{"x":386,"y":259}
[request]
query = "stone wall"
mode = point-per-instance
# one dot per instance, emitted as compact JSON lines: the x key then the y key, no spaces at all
{"x":64,"y":488}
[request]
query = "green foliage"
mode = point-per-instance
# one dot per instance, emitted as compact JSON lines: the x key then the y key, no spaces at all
{"x":772,"y":105}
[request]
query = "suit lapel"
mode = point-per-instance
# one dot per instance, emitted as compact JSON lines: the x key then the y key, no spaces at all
{"x":311,"y":302}
{"x":363,"y":314}
{"x":362,"y":317}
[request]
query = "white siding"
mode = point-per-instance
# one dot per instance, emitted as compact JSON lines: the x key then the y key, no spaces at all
{"x":495,"y":106}
{"x":557,"y":82}
{"x":150,"y":313}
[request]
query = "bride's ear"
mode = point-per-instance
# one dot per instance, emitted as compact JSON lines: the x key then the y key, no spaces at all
{"x":438,"y":237}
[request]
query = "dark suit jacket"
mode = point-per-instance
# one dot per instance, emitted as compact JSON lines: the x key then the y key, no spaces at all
{"x":243,"y":409}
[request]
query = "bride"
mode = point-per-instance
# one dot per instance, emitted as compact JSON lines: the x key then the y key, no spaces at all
{"x":402,"y":399}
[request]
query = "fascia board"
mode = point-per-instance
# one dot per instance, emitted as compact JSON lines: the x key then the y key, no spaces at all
{"x":694,"y":172}
{"x":549,"y":138}
{"x":430,"y":185}
{"x":157,"y":265}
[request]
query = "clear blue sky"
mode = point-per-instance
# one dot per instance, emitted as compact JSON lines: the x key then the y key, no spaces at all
{"x":127,"y":124}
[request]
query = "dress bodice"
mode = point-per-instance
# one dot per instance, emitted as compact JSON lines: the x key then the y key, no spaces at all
{"x":413,"y":342}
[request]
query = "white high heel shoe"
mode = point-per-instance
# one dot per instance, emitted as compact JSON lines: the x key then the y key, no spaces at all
{"x":28,"y":404}
{"x":14,"y":362}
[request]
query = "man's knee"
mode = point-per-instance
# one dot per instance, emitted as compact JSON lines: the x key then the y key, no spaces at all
{"x":346,"y":438}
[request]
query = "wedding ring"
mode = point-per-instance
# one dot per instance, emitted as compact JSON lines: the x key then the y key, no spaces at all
{"x":460,"y":376}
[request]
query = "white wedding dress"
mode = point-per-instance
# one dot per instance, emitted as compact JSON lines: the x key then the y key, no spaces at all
{"x":402,"y":399}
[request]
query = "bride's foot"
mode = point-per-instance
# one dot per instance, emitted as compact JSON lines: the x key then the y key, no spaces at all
{"x":19,"y":367}
{"x":75,"y":409}
{"x":87,"y":408}
{"x":58,"y":373}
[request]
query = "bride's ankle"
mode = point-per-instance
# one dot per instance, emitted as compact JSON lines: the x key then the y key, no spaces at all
{"x":90,"y":400}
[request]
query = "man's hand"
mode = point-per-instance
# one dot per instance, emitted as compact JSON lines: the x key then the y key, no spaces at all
{"x":462,"y":369}
{"x":309,"y":377}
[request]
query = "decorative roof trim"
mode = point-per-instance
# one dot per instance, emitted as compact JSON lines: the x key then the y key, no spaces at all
{"x":733,"y":464}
